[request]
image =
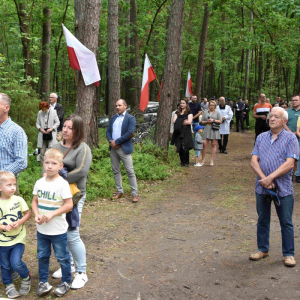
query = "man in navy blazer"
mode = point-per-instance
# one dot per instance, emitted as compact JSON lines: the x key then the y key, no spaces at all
{"x":119,"y":133}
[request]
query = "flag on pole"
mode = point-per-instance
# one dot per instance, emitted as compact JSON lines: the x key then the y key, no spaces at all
{"x":148,"y":76}
{"x":189,"y":85}
{"x":159,"y":92}
{"x":82,"y":59}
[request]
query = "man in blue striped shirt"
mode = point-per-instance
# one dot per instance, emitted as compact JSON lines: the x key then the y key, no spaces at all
{"x":273,"y":159}
{"x":13,"y":141}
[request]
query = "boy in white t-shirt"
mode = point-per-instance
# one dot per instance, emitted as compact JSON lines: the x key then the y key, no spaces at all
{"x":14,"y":212}
{"x":52,"y":198}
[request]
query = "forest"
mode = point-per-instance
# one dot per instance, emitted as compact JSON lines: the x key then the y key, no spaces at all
{"x":231,"y":47}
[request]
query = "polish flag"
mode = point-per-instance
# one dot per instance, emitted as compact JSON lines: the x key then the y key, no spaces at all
{"x":82,"y":59}
{"x":189,"y":85}
{"x":148,"y":76}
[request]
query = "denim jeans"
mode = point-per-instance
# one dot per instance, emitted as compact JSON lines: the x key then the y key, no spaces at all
{"x":59,"y":243}
{"x":76,"y":245}
{"x":284,"y":213}
{"x":11,"y":257}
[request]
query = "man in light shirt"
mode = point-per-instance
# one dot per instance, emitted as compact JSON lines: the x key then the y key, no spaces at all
{"x":59,"y":110}
{"x":119,"y":133}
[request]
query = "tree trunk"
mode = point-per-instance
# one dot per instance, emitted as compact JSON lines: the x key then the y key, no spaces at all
{"x":46,"y":39}
{"x":260,"y":69}
{"x":88,"y":34}
{"x":297,"y":76}
{"x":113,"y":55}
{"x":247,"y":62}
{"x":135,"y":44}
{"x":24,"y":22}
{"x":202,"y":46}
{"x":172,"y":70}
{"x":223,"y":62}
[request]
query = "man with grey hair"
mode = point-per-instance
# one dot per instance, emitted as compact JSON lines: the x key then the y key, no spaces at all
{"x":13,"y":142}
{"x":273,"y":159}
{"x":59,"y":110}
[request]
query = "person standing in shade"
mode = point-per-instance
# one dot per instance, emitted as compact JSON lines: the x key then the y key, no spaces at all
{"x":119,"y":133}
{"x":291,"y":126}
{"x":226,"y":114}
{"x":204,"y":104}
{"x":59,"y":110}
{"x":260,"y":113}
{"x":13,"y":141}
{"x":272,"y":161}
{"x":246,"y":113}
{"x":195,"y":108}
{"x":239,"y":110}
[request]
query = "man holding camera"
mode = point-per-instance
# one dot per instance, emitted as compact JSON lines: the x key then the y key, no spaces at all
{"x":227,"y":114}
{"x":273,"y":160}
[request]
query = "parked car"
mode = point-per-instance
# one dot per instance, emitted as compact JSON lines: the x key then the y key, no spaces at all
{"x":151,"y":110}
{"x":103,"y":121}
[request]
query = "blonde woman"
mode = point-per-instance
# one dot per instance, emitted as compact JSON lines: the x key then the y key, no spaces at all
{"x":211,"y":119}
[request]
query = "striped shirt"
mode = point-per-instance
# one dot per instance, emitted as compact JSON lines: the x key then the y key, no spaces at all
{"x":272,"y":154}
{"x":13,"y":147}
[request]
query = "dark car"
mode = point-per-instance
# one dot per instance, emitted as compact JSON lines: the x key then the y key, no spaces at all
{"x":103,"y":121}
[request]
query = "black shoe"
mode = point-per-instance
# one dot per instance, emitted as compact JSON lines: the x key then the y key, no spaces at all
{"x":224,"y":151}
{"x":298,"y":179}
{"x":237,"y":131}
{"x":187,"y":165}
{"x":182,"y":165}
{"x":221,"y":151}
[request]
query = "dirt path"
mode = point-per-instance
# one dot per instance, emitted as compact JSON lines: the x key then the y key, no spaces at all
{"x":189,"y":238}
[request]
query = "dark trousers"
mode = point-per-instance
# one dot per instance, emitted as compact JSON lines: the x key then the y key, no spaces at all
{"x":184,"y":155}
{"x":261,"y":127}
{"x":246,"y":118}
{"x":223,"y":142}
{"x":239,"y":119}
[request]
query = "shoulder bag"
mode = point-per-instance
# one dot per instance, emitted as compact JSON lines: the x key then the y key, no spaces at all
{"x":47,"y":136}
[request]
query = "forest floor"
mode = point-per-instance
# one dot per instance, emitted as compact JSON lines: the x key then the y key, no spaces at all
{"x":189,"y":238}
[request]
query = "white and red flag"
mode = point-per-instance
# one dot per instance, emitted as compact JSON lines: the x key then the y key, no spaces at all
{"x":189,"y":85}
{"x":148,"y":76}
{"x":82,"y":59}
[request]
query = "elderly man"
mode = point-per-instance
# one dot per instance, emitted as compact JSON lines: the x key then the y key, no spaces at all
{"x":272,"y":160}
{"x":227,"y":114}
{"x":119,"y":133}
{"x":195,"y":108}
{"x":260,"y":113}
{"x":291,"y":126}
{"x":59,"y":110}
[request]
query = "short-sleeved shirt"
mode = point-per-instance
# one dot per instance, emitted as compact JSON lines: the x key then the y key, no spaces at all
{"x":11,"y":210}
{"x":51,"y":196}
{"x":293,"y":118}
{"x":195,"y":108}
{"x":272,"y":154}
{"x":262,"y":110}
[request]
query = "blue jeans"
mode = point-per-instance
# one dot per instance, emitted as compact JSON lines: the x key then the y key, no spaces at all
{"x":197,"y":154}
{"x":76,"y":245}
{"x":11,"y":257}
{"x":284,"y":213}
{"x":59,"y":243}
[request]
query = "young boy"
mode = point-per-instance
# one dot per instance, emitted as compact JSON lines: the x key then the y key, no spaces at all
{"x":14,"y":212}
{"x":51,"y":200}
{"x":198,"y":144}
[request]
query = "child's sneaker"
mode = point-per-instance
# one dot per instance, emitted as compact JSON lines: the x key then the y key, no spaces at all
{"x":197,"y":165}
{"x":61,"y":289}
{"x":11,"y":292}
{"x":43,"y":288}
{"x":25,"y":286}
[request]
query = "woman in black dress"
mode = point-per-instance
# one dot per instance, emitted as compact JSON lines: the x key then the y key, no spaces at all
{"x":182,"y":136}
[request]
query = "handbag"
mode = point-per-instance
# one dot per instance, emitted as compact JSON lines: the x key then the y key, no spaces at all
{"x":215,"y":126}
{"x":76,"y":193}
{"x":47,"y":136}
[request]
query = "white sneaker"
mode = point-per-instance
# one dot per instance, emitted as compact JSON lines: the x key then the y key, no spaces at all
{"x":57,"y":274}
{"x":80,"y":279}
{"x":197,"y":165}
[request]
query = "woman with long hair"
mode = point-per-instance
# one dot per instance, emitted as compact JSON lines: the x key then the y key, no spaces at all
{"x":77,"y":160}
{"x":212,"y":120}
{"x":182,"y":136}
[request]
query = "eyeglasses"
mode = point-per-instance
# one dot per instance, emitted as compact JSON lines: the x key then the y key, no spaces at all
{"x":295,"y":100}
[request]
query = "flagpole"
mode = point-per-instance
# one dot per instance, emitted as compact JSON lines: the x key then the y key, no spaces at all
{"x":157,"y":82}
{"x":75,"y":77}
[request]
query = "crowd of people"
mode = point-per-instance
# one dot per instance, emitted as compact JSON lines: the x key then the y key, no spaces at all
{"x":59,"y":196}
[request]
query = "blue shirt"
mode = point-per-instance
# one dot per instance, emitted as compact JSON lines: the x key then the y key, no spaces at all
{"x":272,"y":154}
{"x":13,"y":147}
{"x":117,"y":126}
